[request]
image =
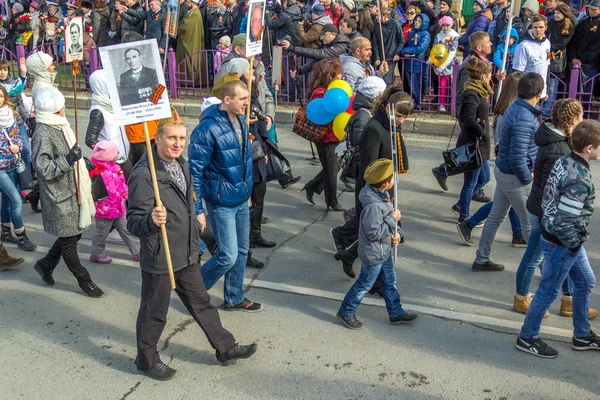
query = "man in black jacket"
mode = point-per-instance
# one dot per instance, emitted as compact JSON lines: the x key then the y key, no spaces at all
{"x":132,"y":16}
{"x":285,"y":22}
{"x":584,"y":48}
{"x":334,"y":44}
{"x":155,"y":24}
{"x":144,"y":220}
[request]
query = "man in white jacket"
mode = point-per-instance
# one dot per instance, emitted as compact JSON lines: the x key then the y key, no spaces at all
{"x":532,"y":53}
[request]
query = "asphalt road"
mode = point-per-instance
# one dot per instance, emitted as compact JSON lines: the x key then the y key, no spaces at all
{"x":57,"y":344}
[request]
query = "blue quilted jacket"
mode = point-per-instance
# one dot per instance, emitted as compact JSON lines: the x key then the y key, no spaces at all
{"x":517,"y":148}
{"x":222,"y":170}
{"x":417,"y":45}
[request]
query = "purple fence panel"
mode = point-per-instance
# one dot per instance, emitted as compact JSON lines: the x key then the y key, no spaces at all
{"x":193,"y":74}
{"x":430,"y":92}
{"x":292,"y":91}
{"x":12,"y":58}
{"x":574,"y":82}
{"x":586,"y":86}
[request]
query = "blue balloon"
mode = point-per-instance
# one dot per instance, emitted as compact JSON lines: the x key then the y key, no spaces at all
{"x":336,"y":101}
{"x":317,"y":114}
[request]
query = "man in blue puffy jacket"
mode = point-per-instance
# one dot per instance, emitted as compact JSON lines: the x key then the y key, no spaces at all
{"x":514,"y":166}
{"x":220,"y":158}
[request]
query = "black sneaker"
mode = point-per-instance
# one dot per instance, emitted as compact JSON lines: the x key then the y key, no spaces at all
{"x":264,"y":220}
{"x":44,"y":273}
{"x":335,"y":237}
{"x":290,"y":182}
{"x":252,"y":262}
{"x":456,"y":209}
{"x":441,"y":180}
{"x":481,"y":197}
{"x":519,"y":241}
{"x":464,"y":231}
{"x":246,"y":305}
{"x":487,"y":266}
{"x":92,"y":290}
{"x":159,"y":371}
{"x":591,"y":342}
{"x":236,"y":352}
{"x":536,"y":347}
{"x":478,"y":225}
{"x":351,"y":322}
{"x":404,"y":318}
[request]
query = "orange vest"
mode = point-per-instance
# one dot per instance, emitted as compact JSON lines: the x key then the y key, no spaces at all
{"x":135,"y":132}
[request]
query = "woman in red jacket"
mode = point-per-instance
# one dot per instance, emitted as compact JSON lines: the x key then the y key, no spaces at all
{"x":325,"y":72}
{"x":334,"y":11}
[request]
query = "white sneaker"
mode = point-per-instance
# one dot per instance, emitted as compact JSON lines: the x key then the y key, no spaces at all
{"x":442,"y":108}
{"x":114,"y":237}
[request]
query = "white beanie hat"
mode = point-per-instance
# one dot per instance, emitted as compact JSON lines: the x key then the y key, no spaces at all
{"x":38,"y":62}
{"x":371,"y":87}
{"x":50,"y":100}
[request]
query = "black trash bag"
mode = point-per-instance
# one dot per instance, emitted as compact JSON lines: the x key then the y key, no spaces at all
{"x":278,"y":166}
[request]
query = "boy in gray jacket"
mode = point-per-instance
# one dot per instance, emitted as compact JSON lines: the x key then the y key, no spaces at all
{"x":376,"y":237}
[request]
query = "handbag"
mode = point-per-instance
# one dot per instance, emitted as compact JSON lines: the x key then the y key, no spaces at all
{"x":258,"y":151}
{"x":558,"y":62}
{"x":278,"y":166}
{"x":99,"y":191}
{"x":306,"y":129}
{"x":463,"y":158}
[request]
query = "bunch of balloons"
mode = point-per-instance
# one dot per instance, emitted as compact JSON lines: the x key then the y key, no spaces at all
{"x":336,"y":106}
{"x":438,"y":55}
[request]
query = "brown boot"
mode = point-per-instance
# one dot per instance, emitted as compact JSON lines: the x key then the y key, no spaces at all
{"x":7,"y":261}
{"x":566,"y":308}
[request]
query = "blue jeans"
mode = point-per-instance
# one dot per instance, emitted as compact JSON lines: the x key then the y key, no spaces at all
{"x":483,"y":213}
{"x":231,"y":228}
{"x":532,"y":258}
{"x":366,"y":279}
{"x":558,"y":264}
{"x":473,"y":181}
{"x":552,"y":94}
{"x":26,"y":151}
{"x":12,"y":207}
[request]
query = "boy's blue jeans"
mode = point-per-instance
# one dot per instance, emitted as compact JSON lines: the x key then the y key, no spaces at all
{"x":558,"y":263}
{"x":365,"y":281}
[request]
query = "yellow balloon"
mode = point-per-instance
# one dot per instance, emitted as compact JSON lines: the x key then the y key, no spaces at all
{"x":339,"y":124}
{"x":340,"y":84}
{"x":438,"y":54}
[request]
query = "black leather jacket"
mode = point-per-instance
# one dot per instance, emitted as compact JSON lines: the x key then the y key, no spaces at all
{"x":340,"y":45}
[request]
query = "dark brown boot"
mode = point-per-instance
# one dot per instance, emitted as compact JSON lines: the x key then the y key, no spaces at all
{"x":7,"y":261}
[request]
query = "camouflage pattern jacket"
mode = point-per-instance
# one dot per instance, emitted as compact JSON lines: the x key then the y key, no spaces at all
{"x":568,"y":202}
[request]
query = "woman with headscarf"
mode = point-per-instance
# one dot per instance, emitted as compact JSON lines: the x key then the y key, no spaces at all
{"x":102,"y":125}
{"x":56,"y":158}
{"x":190,"y":41}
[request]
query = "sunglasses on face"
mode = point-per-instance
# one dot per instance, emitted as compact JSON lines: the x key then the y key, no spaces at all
{"x":410,"y":13}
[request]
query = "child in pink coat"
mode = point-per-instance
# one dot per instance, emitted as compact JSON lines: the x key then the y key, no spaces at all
{"x":111,"y":211}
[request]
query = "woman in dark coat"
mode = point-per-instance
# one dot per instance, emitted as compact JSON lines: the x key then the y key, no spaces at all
{"x":325,"y":72}
{"x":474,"y":126}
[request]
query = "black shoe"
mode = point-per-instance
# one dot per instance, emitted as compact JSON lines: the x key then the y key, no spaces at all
{"x":350,"y":187}
{"x":536,"y":347}
{"x":404,"y":318}
{"x":309,"y":194}
{"x":456,"y":209}
{"x":7,"y":236}
{"x":479,"y":225}
{"x":290,"y":182}
{"x":44,"y":273}
{"x":246,"y":305}
{"x":264,"y":220}
{"x":254,"y":263}
{"x":236,"y":352}
{"x":337,"y":207}
{"x":441,"y":180}
{"x":159,"y":371}
{"x":346,"y":265}
{"x":591,"y":342}
{"x":337,"y":244}
{"x":481,"y":197}
{"x":519,"y":241}
{"x":92,"y":290}
{"x":487,"y":266}
{"x":351,"y":322}
{"x":24,"y":243}
{"x":464,"y":231}
{"x":34,"y":199}
{"x":261,"y":242}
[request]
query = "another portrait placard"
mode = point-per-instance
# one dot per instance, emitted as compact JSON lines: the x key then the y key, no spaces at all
{"x":256,"y":27}
{"x":74,"y":39}
{"x":134,"y":72}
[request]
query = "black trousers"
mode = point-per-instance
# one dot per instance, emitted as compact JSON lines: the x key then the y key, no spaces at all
{"x":152,"y":317}
{"x":126,"y":167}
{"x":259,"y":190}
{"x":136,"y":151}
{"x":66,"y":247}
{"x":326,"y":179}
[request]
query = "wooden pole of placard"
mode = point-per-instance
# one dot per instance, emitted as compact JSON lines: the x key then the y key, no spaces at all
{"x":163,"y":228}
{"x":380,"y":13}
{"x":250,"y":91}
{"x":75,"y":70}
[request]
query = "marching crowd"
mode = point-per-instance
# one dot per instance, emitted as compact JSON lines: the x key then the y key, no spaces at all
{"x":214,"y":198}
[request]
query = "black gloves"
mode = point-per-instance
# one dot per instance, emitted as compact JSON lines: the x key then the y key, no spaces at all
{"x":74,"y":155}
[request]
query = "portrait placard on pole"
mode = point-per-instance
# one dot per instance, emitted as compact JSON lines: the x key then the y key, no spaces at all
{"x":256,"y":27}
{"x":134,"y":72}
{"x":74,"y":39}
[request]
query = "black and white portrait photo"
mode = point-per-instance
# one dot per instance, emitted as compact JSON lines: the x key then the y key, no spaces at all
{"x":134,"y":72}
{"x":74,"y":39}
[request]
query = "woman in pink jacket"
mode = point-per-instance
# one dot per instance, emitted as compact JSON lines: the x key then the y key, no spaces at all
{"x":110,"y":211}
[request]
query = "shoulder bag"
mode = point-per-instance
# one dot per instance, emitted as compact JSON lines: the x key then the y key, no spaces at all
{"x":463,"y":158}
